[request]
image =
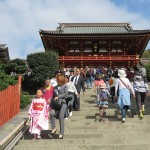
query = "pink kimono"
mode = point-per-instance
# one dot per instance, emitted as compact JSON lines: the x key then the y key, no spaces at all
{"x":39,"y":116}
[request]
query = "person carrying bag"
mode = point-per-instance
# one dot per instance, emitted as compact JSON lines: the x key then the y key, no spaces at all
{"x":58,"y":105}
{"x":124,"y":93}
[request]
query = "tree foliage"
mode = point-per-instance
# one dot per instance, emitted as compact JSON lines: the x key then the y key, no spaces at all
{"x":42,"y":65}
{"x":17,"y":66}
{"x":6,"y":80}
{"x":147,"y":66}
{"x":25,"y":99}
{"x":146,"y":54}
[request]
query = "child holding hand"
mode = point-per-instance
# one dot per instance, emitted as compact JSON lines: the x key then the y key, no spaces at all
{"x":38,"y":114}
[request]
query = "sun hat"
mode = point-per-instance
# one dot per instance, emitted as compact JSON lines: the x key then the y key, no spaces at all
{"x":122,"y":73}
{"x":103,"y":86}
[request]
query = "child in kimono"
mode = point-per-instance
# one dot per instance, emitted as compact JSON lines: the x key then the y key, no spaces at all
{"x":38,"y":114}
{"x":102,"y":102}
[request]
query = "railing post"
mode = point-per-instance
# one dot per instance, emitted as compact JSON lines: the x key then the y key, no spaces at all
{"x":19,"y":92}
{"x":19,"y":85}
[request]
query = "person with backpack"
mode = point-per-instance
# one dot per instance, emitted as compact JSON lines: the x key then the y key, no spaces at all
{"x":125,"y":89}
{"x":98,"y":81}
{"x":102,"y":101}
{"x":143,"y":72}
{"x":141,"y":89}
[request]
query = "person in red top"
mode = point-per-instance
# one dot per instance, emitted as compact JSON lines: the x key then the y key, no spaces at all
{"x":98,"y":82}
{"x":48,"y":91}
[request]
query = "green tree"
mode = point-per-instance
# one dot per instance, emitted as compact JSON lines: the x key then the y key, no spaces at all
{"x":42,"y":64}
{"x":147,"y":66}
{"x":17,"y":66}
{"x":6,"y":80}
{"x":146,"y":54}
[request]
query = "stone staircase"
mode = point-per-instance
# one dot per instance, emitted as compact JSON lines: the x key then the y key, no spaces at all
{"x":83,"y":132}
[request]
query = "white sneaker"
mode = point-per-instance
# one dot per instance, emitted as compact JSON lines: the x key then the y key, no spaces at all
{"x":123,"y":119}
{"x":38,"y":137}
{"x":70,"y":114}
{"x":128,"y":112}
{"x":66,"y":118}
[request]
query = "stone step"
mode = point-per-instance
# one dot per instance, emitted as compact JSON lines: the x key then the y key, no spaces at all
{"x":87,"y":141}
{"x":92,"y":112}
{"x":93,"y":136}
{"x":87,"y":147}
{"x":140,"y":131}
{"x":129,"y":121}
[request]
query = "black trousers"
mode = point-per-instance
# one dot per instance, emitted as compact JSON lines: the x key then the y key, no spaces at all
{"x":140,"y":99}
{"x":76,"y":103}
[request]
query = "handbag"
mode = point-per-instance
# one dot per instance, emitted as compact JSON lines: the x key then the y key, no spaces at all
{"x":68,"y":98}
{"x":55,"y":104}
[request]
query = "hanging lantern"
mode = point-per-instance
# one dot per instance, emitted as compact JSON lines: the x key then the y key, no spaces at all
{"x":95,"y":47}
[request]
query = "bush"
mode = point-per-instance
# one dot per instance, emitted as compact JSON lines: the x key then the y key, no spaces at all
{"x":25,"y":99}
{"x":42,"y":64}
{"x":6,"y":80}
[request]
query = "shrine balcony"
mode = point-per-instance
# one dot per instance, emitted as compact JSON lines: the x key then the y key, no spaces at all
{"x":99,"y":58}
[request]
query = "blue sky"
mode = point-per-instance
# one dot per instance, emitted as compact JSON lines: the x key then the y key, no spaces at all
{"x":137,"y":6}
{"x":20,"y":20}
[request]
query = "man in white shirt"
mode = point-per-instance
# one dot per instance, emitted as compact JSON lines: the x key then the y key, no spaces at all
{"x":53,"y":80}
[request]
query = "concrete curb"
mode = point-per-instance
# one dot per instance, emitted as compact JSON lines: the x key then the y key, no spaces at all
{"x":9,"y":130}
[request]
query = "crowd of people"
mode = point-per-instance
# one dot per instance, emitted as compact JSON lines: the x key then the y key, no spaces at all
{"x":60,"y":96}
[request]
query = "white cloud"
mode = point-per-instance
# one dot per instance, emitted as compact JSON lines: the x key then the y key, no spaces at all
{"x":21,"y":19}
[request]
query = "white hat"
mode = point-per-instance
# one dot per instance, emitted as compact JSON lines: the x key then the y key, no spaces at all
{"x":122,"y":73}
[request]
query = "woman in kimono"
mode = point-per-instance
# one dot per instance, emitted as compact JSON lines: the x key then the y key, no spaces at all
{"x":38,"y":114}
{"x":125,"y":88}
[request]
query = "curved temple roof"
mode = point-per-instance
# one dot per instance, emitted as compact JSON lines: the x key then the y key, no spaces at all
{"x":94,"y":28}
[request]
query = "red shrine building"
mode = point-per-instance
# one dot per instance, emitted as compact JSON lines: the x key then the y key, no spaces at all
{"x":96,"y":44}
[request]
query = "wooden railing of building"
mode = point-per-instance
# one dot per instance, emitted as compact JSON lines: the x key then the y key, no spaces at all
{"x":100,"y":58}
{"x":10,"y":102}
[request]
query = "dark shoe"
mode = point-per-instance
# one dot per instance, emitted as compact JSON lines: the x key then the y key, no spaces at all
{"x":78,"y":110}
{"x":104,"y":113}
